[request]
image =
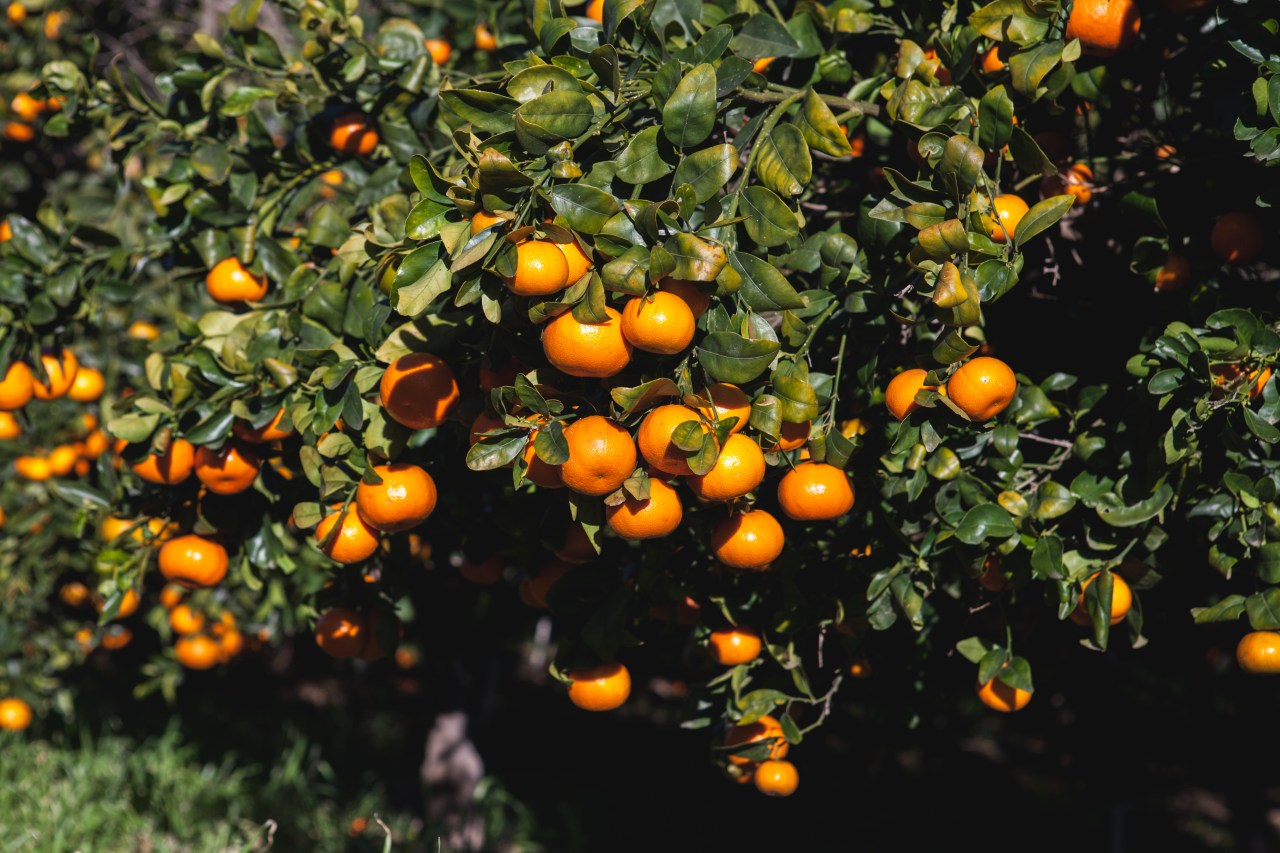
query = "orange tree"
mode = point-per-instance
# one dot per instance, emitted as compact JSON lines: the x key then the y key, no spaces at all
{"x":683,"y":322}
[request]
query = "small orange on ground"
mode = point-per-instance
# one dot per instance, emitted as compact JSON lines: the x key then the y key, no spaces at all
{"x":1258,"y":653}
{"x":814,"y":491}
{"x":185,"y":620}
{"x":739,"y":468}
{"x":1076,"y":180}
{"x":1009,"y":210}
{"x":1121,"y":601}
{"x":352,"y":133}
{"x":1104,"y":27}
{"x":1237,"y":237}
{"x":1174,"y":274}
{"x":766,"y":729}
{"x":418,"y":390}
{"x":654,"y":518}
{"x":578,"y":261}
{"x":197,"y":652}
{"x":734,"y":646}
{"x":34,"y":468}
{"x":483,"y":219}
{"x":341,"y":632}
{"x":991,"y":61}
{"x":541,"y":269}
{"x":440,"y":50}
{"x":193,"y":561}
{"x":228,"y":471}
{"x":590,"y":350}
{"x":728,"y":401}
{"x":141,"y":330}
{"x":602,"y":456}
{"x":405,"y":497}
{"x":265,"y":434}
{"x":777,"y":778}
{"x":982,"y":388}
{"x":60,"y":368}
{"x":484,"y":573}
{"x":15,"y":714}
{"x":485,"y":39}
{"x":16,"y":389}
{"x":595,"y":10}
{"x":689,"y":292}
{"x":355,"y":540}
{"x":750,"y":540}
{"x":168,"y":468}
{"x":230,"y":282}
{"x":900,"y":395}
{"x":88,"y":385}
{"x":661,"y":323}
{"x":654,"y":438}
{"x":600,"y":688}
{"x":998,"y":696}
{"x":9,"y":426}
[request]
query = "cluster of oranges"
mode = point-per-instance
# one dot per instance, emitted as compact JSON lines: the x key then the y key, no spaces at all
{"x":981,"y":388}
{"x":201,"y":643}
{"x":25,"y":111}
{"x":64,"y":376}
{"x":773,"y":775}
{"x":344,"y":632}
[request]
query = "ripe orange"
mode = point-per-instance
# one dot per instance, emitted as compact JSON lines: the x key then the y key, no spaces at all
{"x":168,"y":468}
{"x":16,"y":131}
{"x":750,"y":540}
{"x":534,"y":590}
{"x":440,"y":50}
{"x":116,"y":637}
{"x":991,"y":61}
{"x":593,"y":350}
{"x":762,"y":63}
{"x":483,"y":573}
{"x":60,"y":367}
{"x":602,"y":456}
{"x":654,"y":438}
{"x":982,"y":388}
{"x":230,"y":644}
{"x":485,"y":39}
{"x":193,"y":561}
{"x":62,"y":460}
{"x":341,"y":632}
{"x":1076,"y":180}
{"x":483,"y":219}
{"x":734,"y":646}
{"x":649,"y":519}
{"x":16,"y":13}
{"x":860,"y":667}
{"x":579,"y":262}
{"x":541,"y":269}
{"x":777,"y":778}
{"x":197,"y":652}
{"x":689,"y":292}
{"x":1121,"y":601}
{"x":171,"y":595}
{"x":661,"y":323}
{"x":900,"y":395}
{"x":739,"y":469}
{"x":600,"y":688}
{"x":88,"y":385}
{"x":1104,"y":27}
{"x":1174,"y":274}
{"x":538,"y":472}
{"x":245,"y":431}
{"x":128,"y":604}
{"x":229,"y":283}
{"x":9,"y":426}
{"x":418,"y":390}
{"x":814,"y":491}
{"x":26,"y":107}
{"x":485,"y":422}
{"x":728,"y":401}
{"x":73,"y":594}
{"x":595,"y":10}
{"x":141,"y":330}
{"x":355,"y":540}
{"x":155,"y":530}
{"x":17,"y":387}
{"x":352,"y":133}
{"x":1237,"y":237}
{"x":1009,"y":210}
{"x":184,"y":620}
{"x":575,"y":545}
{"x":15,"y":714}
{"x":998,"y":696}
{"x":34,"y":468}
{"x":1258,"y":653}
{"x":764,"y":729}
{"x":405,"y":497}
{"x":228,"y":471}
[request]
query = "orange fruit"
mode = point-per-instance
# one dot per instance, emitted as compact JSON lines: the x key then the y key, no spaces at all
{"x":168,"y":468}
{"x":155,"y":530}
{"x":750,"y":540}
{"x":15,"y":715}
{"x":982,"y":388}
{"x":1076,"y":180}
{"x":814,"y":491}
{"x":739,"y":469}
{"x":648,"y":519}
{"x":1121,"y":601}
{"x":405,"y":497}
{"x":141,"y":330}
{"x":440,"y":50}
{"x":1009,"y":210}
{"x":16,"y":131}
{"x":62,"y":459}
{"x":1174,"y":274}
{"x":661,"y":323}
{"x":1104,"y":27}
{"x":992,"y":577}
{"x":483,"y":573}
{"x":483,"y":219}
{"x":9,"y":426}
{"x":538,"y":472}
{"x":17,"y":387}
{"x":73,"y":594}
{"x":762,"y":63}
{"x":193,"y":561}
{"x":34,"y":468}
{"x":16,"y":13}
{"x":689,"y":292}
{"x":592,"y":350}
{"x":197,"y":652}
{"x":26,"y":107}
{"x":53,"y":24}
{"x":418,"y":390}
{"x":602,"y":456}
{"x":185,"y":620}
{"x":534,"y":590}
{"x":128,"y":604}
{"x":599,"y":688}
{"x":6,"y":231}
{"x":942,"y":74}
{"x":1258,"y":652}
{"x":355,"y":540}
{"x":541,"y":269}
{"x":575,"y":545}
{"x":900,"y":395}
{"x":230,"y":644}
{"x":991,"y":61}
{"x":595,"y":10}
{"x":116,"y":637}
{"x":171,"y":595}
{"x":578,"y":261}
{"x":88,"y":385}
{"x":484,"y":423}
{"x":734,"y":646}
{"x":228,"y":471}
{"x":791,"y":437}
{"x":352,"y":133}
{"x":1237,"y":237}
{"x":60,"y":367}
{"x":654,"y":438}
{"x":860,"y":668}
{"x":998,"y":696}
{"x":485,"y":39}
{"x":230,"y":282}
{"x":246,"y":432}
{"x":764,"y":729}
{"x":728,"y":401}
{"x":341,"y":633}
{"x":777,"y":778}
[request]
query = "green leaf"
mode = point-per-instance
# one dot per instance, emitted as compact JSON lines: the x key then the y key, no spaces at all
{"x":696,"y":259}
{"x":729,"y":357}
{"x":241,"y":101}
{"x":689,"y":115}
{"x":763,"y":36}
{"x":415,"y":293}
{"x":707,"y":171}
{"x":763,"y":287}
{"x":1227,"y":610}
{"x":769,"y":222}
{"x":487,"y":111}
{"x":1009,"y":20}
{"x":585,"y":208}
{"x":995,"y":119}
{"x":797,"y":401}
{"x":641,"y":162}
{"x":1042,"y":214}
{"x":783,"y":163}
{"x":985,"y":521}
{"x":1264,"y":609}
{"x":556,"y":116}
{"x":820,"y":129}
